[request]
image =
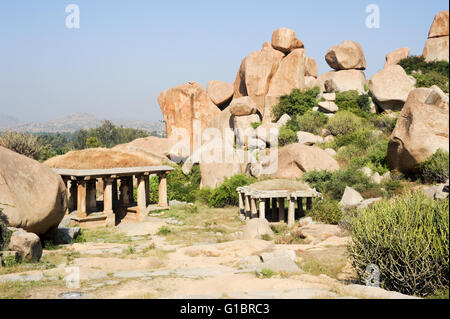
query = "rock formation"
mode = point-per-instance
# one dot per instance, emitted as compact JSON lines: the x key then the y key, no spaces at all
{"x":184,"y":104}
{"x":437,"y":46}
{"x":396,"y":56}
{"x":422,"y":128}
{"x":390,"y":87}
{"x":219,"y":92}
{"x":296,"y":159}
{"x":348,"y":55}
{"x":32,"y":196}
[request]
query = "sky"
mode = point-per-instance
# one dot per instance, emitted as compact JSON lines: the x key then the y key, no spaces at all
{"x":126,"y":52}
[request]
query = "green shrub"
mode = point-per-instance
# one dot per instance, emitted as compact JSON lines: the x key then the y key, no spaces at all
{"x":326,"y":211}
{"x":427,"y":74}
{"x":225,"y":194}
{"x":361,"y":138}
{"x":407,"y":237}
{"x":204,"y":194}
{"x":332,"y":184}
{"x":435,"y":168}
{"x":180,"y":187}
{"x":311,"y":121}
{"x":417,"y":63}
{"x":24,"y":144}
{"x":286,"y":136}
{"x":297,"y":102}
{"x":432,"y":78}
{"x":343,"y":122}
{"x":5,"y":233}
{"x":353,"y":102}
{"x":384,"y":121}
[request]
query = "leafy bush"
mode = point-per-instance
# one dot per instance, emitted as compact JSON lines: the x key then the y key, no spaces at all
{"x":353,"y":102}
{"x":21,"y":143}
{"x":435,"y":168}
{"x":225,"y":194}
{"x":343,"y":122}
{"x":183,"y":187}
{"x":375,"y":156}
{"x":326,"y":211}
{"x":332,"y":184}
{"x":407,"y":237}
{"x":5,"y":233}
{"x":432,"y":78}
{"x":427,"y":74}
{"x":286,"y":136}
{"x":311,"y":121}
{"x":385,"y":122}
{"x":417,"y":63}
{"x":297,"y":102}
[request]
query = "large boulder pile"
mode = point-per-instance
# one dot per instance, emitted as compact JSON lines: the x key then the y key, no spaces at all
{"x":437,"y":47}
{"x":348,"y":61}
{"x":32,"y":196}
{"x":422,"y":128}
{"x":390,"y":87}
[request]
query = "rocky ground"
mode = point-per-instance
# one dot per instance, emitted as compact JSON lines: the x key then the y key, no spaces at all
{"x":193,"y":253}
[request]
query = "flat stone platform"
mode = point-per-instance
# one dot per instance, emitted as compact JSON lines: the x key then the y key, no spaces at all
{"x":275,"y":193}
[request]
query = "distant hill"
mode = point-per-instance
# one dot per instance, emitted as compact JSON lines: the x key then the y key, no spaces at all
{"x":74,"y":122}
{"x":6,"y":120}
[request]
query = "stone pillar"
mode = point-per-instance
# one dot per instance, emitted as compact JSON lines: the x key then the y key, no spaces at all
{"x":131,"y":189}
{"x":241,"y":203}
{"x":108,"y":201}
{"x":308,"y":203}
{"x":281,"y":214}
{"x":73,"y":196}
{"x":262,"y":208}
{"x":254,"y":209}
{"x":291,"y":212}
{"x":248,"y":213}
{"x":300,"y":212}
{"x":81,"y":199}
{"x":274,"y":209}
{"x":115,"y":195}
{"x":141,"y":198}
{"x":147,"y":190}
{"x":91,"y":193}
{"x":162,"y":191}
{"x":124,"y":194}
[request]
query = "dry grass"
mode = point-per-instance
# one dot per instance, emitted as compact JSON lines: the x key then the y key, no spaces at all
{"x":101,"y":158}
{"x":203,"y":224}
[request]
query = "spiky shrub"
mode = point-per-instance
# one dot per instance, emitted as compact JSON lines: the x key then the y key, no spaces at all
{"x":344,"y":123}
{"x":326,"y":211}
{"x":24,"y":144}
{"x":435,"y":168}
{"x":407,"y":237}
{"x":286,"y":136}
{"x":312,"y":121}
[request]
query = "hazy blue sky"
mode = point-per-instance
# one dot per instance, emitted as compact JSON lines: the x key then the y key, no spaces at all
{"x":127,"y":52}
